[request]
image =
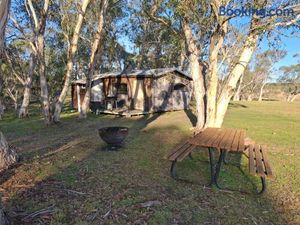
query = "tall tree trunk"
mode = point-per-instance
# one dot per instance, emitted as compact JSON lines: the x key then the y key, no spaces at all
{"x":250,"y":97}
{"x":237,"y":94}
{"x":261,"y":92}
{"x":237,"y":71}
{"x":70,"y":61}
{"x":3,"y":217}
{"x":8,"y":155}
{"x":95,"y":47}
{"x":23,"y":112}
{"x":4,"y":10}
{"x":216,"y":43}
{"x":293,"y":98}
{"x":2,"y":107}
{"x":197,"y":74}
{"x":43,"y":80}
{"x":39,"y":30}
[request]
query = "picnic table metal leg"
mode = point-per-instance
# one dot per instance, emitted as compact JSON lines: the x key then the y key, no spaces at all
{"x":224,"y":159}
{"x":172,"y":170}
{"x":218,"y":168}
{"x":263,"y":185}
{"x":212,"y":167}
{"x":191,"y":157}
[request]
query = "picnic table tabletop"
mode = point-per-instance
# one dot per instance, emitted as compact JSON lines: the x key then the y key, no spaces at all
{"x":227,"y":139}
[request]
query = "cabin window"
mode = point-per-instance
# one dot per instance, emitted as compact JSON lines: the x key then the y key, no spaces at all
{"x":121,"y":89}
{"x":180,"y":87}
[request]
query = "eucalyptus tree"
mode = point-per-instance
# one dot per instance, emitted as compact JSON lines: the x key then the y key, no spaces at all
{"x":8,"y":156}
{"x":72,"y":49}
{"x":290,"y":80}
{"x":156,"y":45}
{"x":4,"y":11}
{"x":94,"y":49}
{"x":38,"y":13}
{"x":205,"y":32}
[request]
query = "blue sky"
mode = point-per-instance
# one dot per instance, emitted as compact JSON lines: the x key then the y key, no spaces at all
{"x":291,"y":45}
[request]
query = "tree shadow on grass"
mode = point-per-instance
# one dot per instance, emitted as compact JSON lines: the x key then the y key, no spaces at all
{"x":237,"y":105}
{"x":192,"y":117}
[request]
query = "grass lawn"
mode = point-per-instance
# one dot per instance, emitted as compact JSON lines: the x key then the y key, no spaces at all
{"x":63,"y":166}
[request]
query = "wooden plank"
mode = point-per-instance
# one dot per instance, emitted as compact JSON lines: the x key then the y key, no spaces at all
{"x":208,"y":133}
{"x":252,"y":169}
{"x":259,"y":163}
{"x":216,"y":143}
{"x":225,"y":139}
{"x":235,"y":143}
{"x":214,"y":137}
{"x":185,"y":153}
{"x":241,"y":147}
{"x":228,"y":145}
{"x":194,"y":140}
{"x":266,"y":162}
{"x":176,"y":151}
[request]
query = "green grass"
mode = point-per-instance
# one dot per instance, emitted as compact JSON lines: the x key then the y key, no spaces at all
{"x":61,"y":159}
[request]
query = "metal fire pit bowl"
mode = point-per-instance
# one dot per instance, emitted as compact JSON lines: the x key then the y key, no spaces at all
{"x":113,"y":136}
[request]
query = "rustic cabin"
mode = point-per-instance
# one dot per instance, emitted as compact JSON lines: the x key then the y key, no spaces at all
{"x":136,"y":91}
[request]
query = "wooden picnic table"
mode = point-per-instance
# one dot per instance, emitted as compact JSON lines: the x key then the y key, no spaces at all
{"x":228,"y":139}
{"x":223,"y":141}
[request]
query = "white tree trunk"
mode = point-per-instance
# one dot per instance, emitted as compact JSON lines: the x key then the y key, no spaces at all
{"x":228,"y":90}
{"x":95,"y":47}
{"x":216,"y":42}
{"x":8,"y":155}
{"x":2,"y":107}
{"x":4,"y":10}
{"x":197,"y":74}
{"x":261,"y":92}
{"x":237,"y":94}
{"x":293,"y":98}
{"x":43,"y":81}
{"x":23,"y":112}
{"x":70,"y":61}
{"x":39,"y":31}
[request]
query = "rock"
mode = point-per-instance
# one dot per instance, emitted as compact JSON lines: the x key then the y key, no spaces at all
{"x":150,"y":204}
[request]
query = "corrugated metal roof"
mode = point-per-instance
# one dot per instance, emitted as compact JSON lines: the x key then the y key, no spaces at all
{"x":136,"y":73}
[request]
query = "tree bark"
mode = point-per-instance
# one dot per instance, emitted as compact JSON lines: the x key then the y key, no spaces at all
{"x":197,"y":74}
{"x":294,"y":97}
{"x":261,"y":92}
{"x":91,"y":66}
{"x":23,"y":112}
{"x":4,"y":11}
{"x":2,"y":107}
{"x":70,"y":61}
{"x":216,"y":43}
{"x":3,"y":217}
{"x":237,"y":71}
{"x":237,"y":94}
{"x":39,"y":31}
{"x":8,"y":155}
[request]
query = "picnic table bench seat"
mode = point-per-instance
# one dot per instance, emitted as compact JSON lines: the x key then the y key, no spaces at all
{"x":180,"y":151}
{"x":257,"y":160}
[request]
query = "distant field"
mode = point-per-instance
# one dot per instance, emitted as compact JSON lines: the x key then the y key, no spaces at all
{"x":64,"y":166}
